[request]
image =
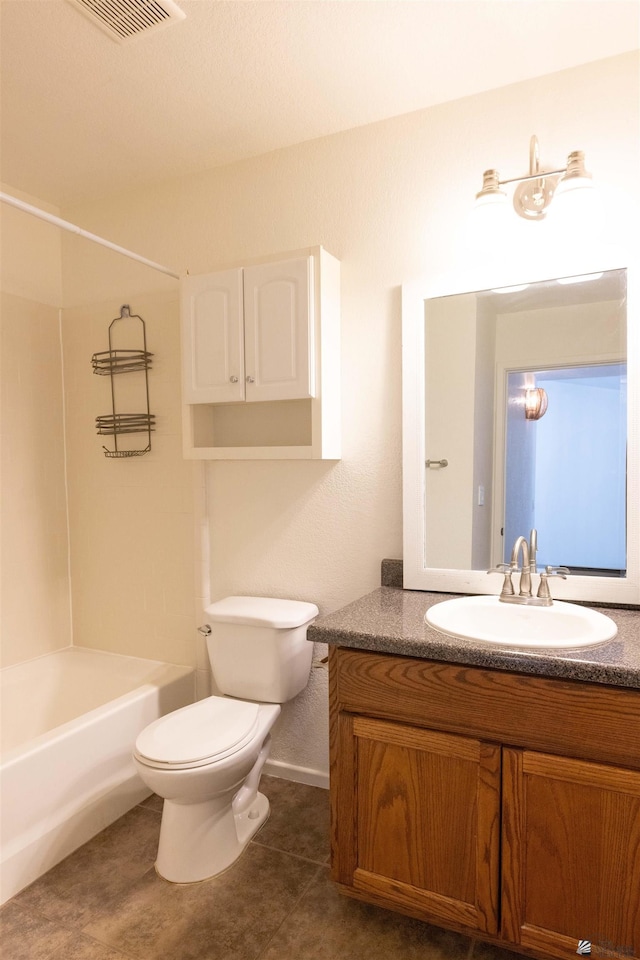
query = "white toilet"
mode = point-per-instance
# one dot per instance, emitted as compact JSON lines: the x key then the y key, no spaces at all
{"x":206,"y":759}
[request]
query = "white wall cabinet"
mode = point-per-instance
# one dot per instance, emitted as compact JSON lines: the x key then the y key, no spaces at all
{"x":261,"y":360}
{"x":249,"y":333}
{"x":211,"y":313}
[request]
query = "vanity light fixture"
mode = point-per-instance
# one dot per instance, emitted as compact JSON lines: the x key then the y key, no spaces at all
{"x":535,"y":403}
{"x":535,"y":190}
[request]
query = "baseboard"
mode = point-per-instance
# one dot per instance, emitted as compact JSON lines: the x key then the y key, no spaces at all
{"x":288,"y":771}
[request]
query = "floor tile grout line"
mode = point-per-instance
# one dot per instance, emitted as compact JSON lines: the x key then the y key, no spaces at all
{"x":290,"y":913}
{"x":105,"y":943}
{"x":71,"y":928}
{"x":36,"y":912}
{"x":106,"y":911}
{"x":110,"y":946}
{"x":290,"y":853}
{"x":140,"y":806}
{"x":76,"y":927}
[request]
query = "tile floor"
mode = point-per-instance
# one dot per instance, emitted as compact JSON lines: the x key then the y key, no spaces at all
{"x":106,"y":902}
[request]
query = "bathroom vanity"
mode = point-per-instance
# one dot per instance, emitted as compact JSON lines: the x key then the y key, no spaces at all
{"x":486,"y":789}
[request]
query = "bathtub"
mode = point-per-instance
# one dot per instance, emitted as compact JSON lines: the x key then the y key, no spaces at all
{"x":69,"y":720}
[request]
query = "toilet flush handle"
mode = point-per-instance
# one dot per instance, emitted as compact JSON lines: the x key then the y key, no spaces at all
{"x":205,"y":630}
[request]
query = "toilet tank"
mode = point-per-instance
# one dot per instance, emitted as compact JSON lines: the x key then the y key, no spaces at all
{"x":258,"y":648}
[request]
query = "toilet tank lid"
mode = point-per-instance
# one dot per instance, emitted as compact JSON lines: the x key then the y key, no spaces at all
{"x":263,"y":612}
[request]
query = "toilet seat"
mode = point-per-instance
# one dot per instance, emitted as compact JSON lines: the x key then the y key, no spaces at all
{"x":198,"y":734}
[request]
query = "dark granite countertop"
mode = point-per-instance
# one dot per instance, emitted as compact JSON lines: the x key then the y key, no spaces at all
{"x":391,"y":620}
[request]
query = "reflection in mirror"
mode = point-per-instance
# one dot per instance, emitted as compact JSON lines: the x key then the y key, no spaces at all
{"x":567,"y":464}
{"x":529,"y":411}
{"x":521,"y":411}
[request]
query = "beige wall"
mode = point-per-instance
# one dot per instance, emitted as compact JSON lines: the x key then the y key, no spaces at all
{"x":390,"y":201}
{"x":131,"y":519}
{"x":35,"y":608}
{"x":31,"y":252}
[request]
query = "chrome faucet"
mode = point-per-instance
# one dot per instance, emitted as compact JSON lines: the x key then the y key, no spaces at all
{"x":525,"y":571}
{"x":529,"y":550}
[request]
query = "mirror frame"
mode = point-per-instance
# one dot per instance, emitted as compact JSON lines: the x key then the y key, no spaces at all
{"x":417,"y":576}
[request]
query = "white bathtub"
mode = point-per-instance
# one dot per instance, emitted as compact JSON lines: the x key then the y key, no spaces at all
{"x":69,"y":722}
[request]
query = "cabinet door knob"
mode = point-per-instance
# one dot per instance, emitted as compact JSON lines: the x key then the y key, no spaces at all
{"x":251,"y":380}
{"x":233,"y":379}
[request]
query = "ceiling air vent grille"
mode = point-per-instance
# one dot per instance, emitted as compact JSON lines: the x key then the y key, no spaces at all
{"x":125,"y":20}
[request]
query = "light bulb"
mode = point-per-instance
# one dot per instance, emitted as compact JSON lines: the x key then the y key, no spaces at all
{"x":535,"y":403}
{"x":577,"y":208}
{"x":488,"y":220}
{"x":577,"y":211}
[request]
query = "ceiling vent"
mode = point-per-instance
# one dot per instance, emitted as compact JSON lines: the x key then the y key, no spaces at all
{"x":125,"y":20}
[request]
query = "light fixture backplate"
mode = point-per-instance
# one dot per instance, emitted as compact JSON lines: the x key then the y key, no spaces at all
{"x":531,"y":198}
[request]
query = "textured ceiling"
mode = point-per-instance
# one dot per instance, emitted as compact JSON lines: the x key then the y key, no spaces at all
{"x":83,"y":116}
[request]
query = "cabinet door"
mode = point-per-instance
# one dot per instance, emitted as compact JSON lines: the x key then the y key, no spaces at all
{"x":278,"y":310}
{"x":212,"y":338}
{"x":416,"y":817}
{"x":571,"y":855}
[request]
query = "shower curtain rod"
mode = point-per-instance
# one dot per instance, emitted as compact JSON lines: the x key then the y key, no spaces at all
{"x":72,"y":228}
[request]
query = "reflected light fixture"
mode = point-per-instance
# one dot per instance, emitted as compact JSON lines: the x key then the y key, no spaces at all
{"x":583,"y":278}
{"x":535,"y":403}
{"x":535,"y":190}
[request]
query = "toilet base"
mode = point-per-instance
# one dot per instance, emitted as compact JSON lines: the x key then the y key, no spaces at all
{"x":249,"y":822}
{"x":199,"y":840}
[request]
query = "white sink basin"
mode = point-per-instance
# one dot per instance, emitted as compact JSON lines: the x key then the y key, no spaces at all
{"x":486,"y":618}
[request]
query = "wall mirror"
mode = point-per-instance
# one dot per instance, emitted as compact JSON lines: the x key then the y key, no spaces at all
{"x":520,"y":410}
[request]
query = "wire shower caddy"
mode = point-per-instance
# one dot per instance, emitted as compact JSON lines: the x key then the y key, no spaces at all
{"x":110,"y":363}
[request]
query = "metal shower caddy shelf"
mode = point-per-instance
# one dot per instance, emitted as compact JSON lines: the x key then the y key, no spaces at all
{"x":111,"y":362}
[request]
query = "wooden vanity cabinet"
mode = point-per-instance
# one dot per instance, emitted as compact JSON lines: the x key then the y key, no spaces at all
{"x":423,"y":832}
{"x":498,"y":804}
{"x":571,"y":855}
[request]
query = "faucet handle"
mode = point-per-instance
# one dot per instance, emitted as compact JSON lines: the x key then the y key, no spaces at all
{"x":543,"y":590}
{"x":507,"y":570}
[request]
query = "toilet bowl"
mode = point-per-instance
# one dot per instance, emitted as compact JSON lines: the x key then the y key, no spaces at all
{"x":205,"y":760}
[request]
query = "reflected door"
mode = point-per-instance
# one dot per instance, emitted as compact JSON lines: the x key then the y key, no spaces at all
{"x":519,"y":507}
{"x":566,"y":472}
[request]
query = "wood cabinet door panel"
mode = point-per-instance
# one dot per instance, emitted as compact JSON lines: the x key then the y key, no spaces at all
{"x":416,"y":818}
{"x":571,"y":855}
{"x":424,"y":821}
